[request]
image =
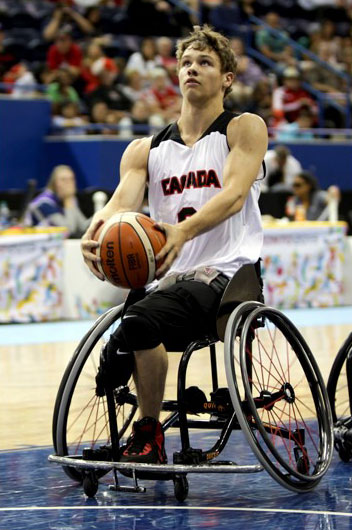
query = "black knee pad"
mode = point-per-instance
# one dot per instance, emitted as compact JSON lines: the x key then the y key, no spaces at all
{"x":139,"y":332}
{"x":116,"y":364}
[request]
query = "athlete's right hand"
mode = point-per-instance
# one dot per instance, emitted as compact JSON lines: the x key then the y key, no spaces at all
{"x":88,"y":244}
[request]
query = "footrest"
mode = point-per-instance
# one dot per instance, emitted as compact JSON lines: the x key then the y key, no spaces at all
{"x":179,"y":469}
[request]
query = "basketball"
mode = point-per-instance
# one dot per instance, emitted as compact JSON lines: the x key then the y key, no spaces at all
{"x":128,"y":245}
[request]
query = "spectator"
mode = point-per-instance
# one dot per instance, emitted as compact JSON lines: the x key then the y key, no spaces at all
{"x":308,"y":201}
{"x":300,"y":129}
{"x":161,"y":97}
{"x":327,"y":42}
{"x":61,"y":90}
{"x":133,"y":87}
{"x":65,"y":53}
{"x":140,"y":122}
{"x":274,"y":46}
{"x":68,"y":120}
{"x":280,"y":161}
{"x":22,"y":80}
{"x":57,"y":205}
{"x":289,"y":99}
{"x":261,"y":101}
{"x":247,"y":76}
{"x":164,"y":47}
{"x":68,"y":19}
{"x":104,"y":119}
{"x":109,"y":91}
{"x":144,"y":60}
{"x":94,"y":62}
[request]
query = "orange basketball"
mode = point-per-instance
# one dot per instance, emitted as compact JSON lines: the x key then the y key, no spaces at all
{"x":128,"y":246}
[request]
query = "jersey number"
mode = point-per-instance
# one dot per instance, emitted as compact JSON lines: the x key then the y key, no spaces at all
{"x":184,"y":213}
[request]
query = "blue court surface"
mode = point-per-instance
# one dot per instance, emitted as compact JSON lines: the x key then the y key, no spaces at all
{"x":36,"y":494}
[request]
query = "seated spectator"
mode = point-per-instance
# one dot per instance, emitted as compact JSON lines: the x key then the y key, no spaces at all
{"x":327,"y":42}
{"x":61,"y":90}
{"x":274,"y":46}
{"x":104,"y":119}
{"x":140,"y":122}
{"x":161,"y":97}
{"x":164,"y":47}
{"x":57,"y":204}
{"x":133,"y":86}
{"x":260,"y":101}
{"x":144,"y":60}
{"x":68,"y":19}
{"x":68,"y":121}
{"x":290,"y":98}
{"x":64,"y":52}
{"x":109,"y":91}
{"x":308,"y":201}
{"x":22,"y":81}
{"x":280,"y":161}
{"x":248,"y":74}
{"x":94,"y":62}
{"x":300,"y":129}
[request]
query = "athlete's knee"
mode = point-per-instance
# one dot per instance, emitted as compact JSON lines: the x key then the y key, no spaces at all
{"x":139,"y":332}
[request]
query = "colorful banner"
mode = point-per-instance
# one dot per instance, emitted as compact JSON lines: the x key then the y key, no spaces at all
{"x":31,"y":274}
{"x":303,"y":264}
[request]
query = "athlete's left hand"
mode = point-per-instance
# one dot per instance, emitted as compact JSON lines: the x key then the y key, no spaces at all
{"x":175,"y":239}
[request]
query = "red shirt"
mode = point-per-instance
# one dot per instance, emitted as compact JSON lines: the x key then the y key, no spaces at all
{"x":55,"y":59}
{"x":165,"y":97}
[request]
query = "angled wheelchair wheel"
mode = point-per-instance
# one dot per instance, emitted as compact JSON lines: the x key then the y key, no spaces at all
{"x":340,"y":383}
{"x":80,"y":419}
{"x":340,"y":395}
{"x":279,"y":396}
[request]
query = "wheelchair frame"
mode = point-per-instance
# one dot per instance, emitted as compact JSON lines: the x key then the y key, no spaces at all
{"x":340,"y":378}
{"x":248,"y":402}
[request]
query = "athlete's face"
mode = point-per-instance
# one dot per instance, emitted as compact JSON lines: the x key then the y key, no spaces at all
{"x":200,"y":74}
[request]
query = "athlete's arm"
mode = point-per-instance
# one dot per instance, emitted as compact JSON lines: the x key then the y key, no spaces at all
{"x":248,"y":141}
{"x":128,"y":196}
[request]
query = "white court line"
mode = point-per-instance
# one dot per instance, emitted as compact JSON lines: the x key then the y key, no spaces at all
{"x":164,"y":508}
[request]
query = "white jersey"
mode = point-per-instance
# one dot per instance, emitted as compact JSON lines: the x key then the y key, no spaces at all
{"x":182,"y":179}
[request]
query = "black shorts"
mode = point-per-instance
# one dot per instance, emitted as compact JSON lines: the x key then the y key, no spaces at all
{"x":176,"y":316}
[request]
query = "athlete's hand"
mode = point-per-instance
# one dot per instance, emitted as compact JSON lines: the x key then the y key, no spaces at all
{"x":175,"y":239}
{"x":88,"y":243}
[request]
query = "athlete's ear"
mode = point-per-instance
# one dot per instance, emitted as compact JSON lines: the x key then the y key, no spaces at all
{"x":228,"y":79}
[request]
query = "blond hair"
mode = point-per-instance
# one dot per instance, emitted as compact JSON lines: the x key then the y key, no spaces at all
{"x":203,"y":37}
{"x":51,"y":185}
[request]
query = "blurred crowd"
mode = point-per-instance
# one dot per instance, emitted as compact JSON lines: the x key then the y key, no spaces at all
{"x":108,"y":67}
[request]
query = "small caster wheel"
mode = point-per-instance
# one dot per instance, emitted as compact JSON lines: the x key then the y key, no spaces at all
{"x":90,"y":485}
{"x":344,"y":454}
{"x":303,"y":465}
{"x":181,"y":487}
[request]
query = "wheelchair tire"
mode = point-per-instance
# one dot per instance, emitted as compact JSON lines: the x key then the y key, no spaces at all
{"x":80,"y":419}
{"x":339,"y":388}
{"x":288,"y":424}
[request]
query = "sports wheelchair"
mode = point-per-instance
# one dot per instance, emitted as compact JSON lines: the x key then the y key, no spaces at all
{"x":275,"y":394}
{"x":339,"y":388}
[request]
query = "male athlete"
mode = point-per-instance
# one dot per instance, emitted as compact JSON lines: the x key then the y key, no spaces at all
{"x":202,"y":174}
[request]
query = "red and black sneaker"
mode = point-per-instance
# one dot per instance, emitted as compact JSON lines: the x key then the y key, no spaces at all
{"x":146,"y":443}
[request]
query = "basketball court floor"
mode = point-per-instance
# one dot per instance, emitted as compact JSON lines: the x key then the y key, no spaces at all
{"x":36,"y":494}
